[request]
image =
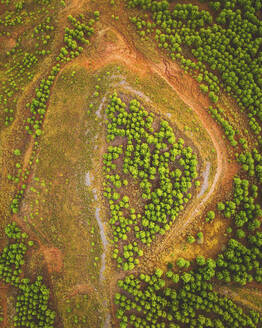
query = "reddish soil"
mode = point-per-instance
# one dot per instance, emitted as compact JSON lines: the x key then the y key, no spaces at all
{"x":257,"y":287}
{"x":7,"y":44}
{"x":86,"y":288}
{"x":183,"y":84}
{"x":256,"y":292}
{"x":28,"y":230}
{"x":52,"y":255}
{"x":3,"y":299}
{"x":113,"y":288}
{"x":124,"y":51}
{"x":238,"y":298}
{"x":28,"y":153}
{"x":74,"y":5}
{"x":121,"y":50}
{"x":53,"y":258}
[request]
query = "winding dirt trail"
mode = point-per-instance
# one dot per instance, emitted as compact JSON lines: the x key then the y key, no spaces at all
{"x":257,"y":293}
{"x":74,"y":6}
{"x":3,"y":299}
{"x":125,"y":52}
{"x":184,"y":85}
{"x":237,"y":298}
{"x":188,"y":90}
{"x":85,"y":288}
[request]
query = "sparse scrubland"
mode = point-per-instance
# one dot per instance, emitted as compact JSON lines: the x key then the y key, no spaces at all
{"x":130,"y":163}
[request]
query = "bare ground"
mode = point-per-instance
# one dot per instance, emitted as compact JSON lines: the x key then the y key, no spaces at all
{"x":188,"y":90}
{"x":125,"y":52}
{"x":238,"y":299}
{"x":53,"y":258}
{"x":3,"y":299}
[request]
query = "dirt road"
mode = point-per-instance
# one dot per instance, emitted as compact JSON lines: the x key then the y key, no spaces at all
{"x":236,"y":297}
{"x":188,"y":90}
{"x":122,"y":51}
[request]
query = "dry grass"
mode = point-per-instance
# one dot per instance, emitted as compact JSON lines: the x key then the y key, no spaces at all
{"x":58,"y":206}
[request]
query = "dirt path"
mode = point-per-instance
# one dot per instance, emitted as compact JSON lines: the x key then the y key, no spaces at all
{"x":74,"y":6}
{"x":255,"y":287}
{"x":53,"y":258}
{"x":255,"y":292}
{"x":52,"y":255}
{"x":3,"y":299}
{"x":188,"y":90}
{"x":86,"y":288}
{"x":238,"y":299}
{"x":185,"y":86}
{"x":28,"y":154}
{"x":113,"y":287}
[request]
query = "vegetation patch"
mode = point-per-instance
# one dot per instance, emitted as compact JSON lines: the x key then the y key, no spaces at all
{"x":130,"y":160}
{"x":162,"y":167}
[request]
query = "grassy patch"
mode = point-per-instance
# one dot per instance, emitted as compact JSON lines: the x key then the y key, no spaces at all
{"x":58,"y":206}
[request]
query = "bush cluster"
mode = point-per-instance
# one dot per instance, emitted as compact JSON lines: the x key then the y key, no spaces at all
{"x":32,"y":309}
{"x":228,"y":47}
{"x":252,"y":163}
{"x":178,"y":300}
{"x":38,"y":107}
{"x":161,"y":166}
{"x":217,"y":114}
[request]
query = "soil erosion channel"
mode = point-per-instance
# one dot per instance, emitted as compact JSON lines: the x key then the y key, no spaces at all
{"x":187,"y":89}
{"x":124,"y":51}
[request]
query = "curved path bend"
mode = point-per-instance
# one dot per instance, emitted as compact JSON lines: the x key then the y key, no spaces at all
{"x":238,"y":298}
{"x":124,"y":50}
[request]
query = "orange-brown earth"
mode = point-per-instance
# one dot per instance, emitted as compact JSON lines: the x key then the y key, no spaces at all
{"x":124,"y":51}
{"x":53,"y":258}
{"x":238,"y":298}
{"x":3,"y":299}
